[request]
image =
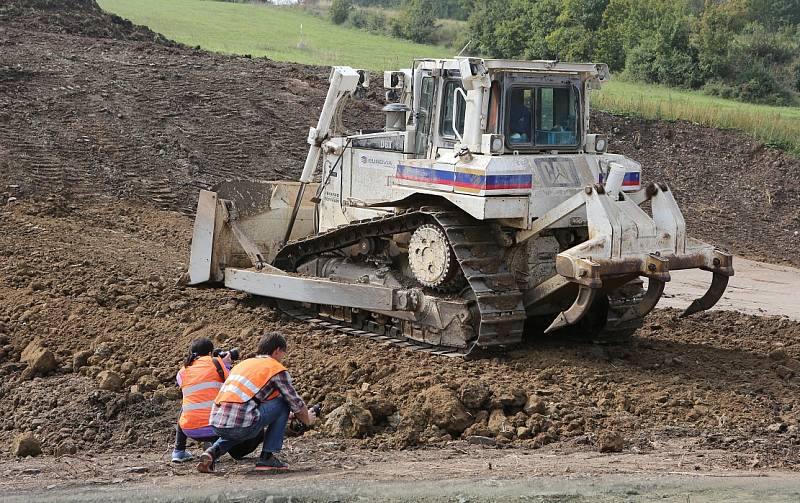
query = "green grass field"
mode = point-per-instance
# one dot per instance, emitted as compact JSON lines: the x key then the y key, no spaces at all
{"x":275,"y":32}
{"x":280,"y":33}
{"x":778,"y":126}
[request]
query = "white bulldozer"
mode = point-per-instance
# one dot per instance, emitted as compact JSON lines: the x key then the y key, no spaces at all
{"x":484,"y":209}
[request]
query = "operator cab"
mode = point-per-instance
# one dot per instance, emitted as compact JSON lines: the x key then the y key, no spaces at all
{"x":527,"y":106}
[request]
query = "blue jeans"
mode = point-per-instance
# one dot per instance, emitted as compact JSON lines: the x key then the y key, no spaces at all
{"x":273,"y":415}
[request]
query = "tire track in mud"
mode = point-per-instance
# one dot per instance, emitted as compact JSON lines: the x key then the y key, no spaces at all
{"x":127,"y":120}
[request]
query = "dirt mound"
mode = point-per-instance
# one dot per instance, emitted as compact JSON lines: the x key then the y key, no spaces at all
{"x":76,"y":17}
{"x":95,"y":285}
{"x":114,"y":119}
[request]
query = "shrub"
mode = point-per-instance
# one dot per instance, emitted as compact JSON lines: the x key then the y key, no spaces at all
{"x":797,"y":77}
{"x":340,"y":10}
{"x":419,"y":21}
{"x":357,"y":18}
{"x":376,"y":22}
{"x":757,"y":85}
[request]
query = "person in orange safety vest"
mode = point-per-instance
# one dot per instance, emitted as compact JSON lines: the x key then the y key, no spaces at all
{"x":200,"y":380}
{"x":256,"y":400}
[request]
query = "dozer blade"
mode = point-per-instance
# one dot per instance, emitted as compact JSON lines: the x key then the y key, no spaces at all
{"x":711,"y":297}
{"x":577,"y":311}
{"x":655,"y":288}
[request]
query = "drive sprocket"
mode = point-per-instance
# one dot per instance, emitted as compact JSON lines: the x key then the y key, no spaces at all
{"x":430,"y":257}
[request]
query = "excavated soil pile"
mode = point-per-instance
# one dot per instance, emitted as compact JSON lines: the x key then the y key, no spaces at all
{"x":76,"y":17}
{"x":103,"y":146}
{"x":94,"y":287}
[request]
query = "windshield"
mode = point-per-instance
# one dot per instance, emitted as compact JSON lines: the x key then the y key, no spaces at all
{"x":542,"y":116}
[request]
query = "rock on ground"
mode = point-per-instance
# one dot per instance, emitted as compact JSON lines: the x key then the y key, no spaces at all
{"x":499,"y":423}
{"x":443,"y":409}
{"x":475,"y":394}
{"x":66,"y":447}
{"x":40,"y":360}
{"x":349,"y":420}
{"x":610,"y":441}
{"x":26,"y":445}
{"x":109,"y":380}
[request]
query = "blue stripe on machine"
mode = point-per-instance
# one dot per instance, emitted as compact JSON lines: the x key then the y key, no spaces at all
{"x":631,"y":178}
{"x":467,"y":180}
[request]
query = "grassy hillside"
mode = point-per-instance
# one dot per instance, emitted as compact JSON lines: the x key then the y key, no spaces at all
{"x":275,"y":32}
{"x":779,"y":126}
{"x":280,"y":33}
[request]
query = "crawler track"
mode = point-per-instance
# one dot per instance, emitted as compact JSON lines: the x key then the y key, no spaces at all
{"x":478,"y":249}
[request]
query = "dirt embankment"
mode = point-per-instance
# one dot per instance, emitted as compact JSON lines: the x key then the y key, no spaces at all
{"x":104,"y":142}
{"x":95,"y":285}
{"x":75,"y":17}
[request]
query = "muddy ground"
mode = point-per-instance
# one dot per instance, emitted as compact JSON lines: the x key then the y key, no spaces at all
{"x":104,"y":142}
{"x":96,"y":284}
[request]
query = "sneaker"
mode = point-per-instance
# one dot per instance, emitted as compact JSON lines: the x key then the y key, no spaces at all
{"x":181,"y":456}
{"x":206,"y":464}
{"x":270,"y":464}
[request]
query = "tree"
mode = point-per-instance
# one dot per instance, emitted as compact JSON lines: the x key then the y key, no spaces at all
{"x":541,"y":16}
{"x":515,"y":28}
{"x":610,"y":39}
{"x":714,"y":33}
{"x":665,"y":54}
{"x":775,"y":13}
{"x":419,"y":21}
{"x":340,"y":10}
{"x":483,"y":22}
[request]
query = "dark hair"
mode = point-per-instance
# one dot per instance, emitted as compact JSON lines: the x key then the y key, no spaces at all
{"x":200,"y":347}
{"x":270,"y":342}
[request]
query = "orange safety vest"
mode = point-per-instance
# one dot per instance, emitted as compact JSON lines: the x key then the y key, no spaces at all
{"x":247,"y":378}
{"x":200,"y":383}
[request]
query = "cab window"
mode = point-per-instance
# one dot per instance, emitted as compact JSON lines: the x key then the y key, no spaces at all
{"x":542,"y":116}
{"x":520,"y":118}
{"x":446,"y":128}
{"x":556,"y":116}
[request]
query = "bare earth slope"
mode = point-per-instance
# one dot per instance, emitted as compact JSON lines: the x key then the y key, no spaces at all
{"x":76,"y":17}
{"x":103,"y":146}
{"x":101,"y":278}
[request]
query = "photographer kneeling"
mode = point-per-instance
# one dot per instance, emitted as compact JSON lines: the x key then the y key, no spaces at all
{"x":200,"y":379}
{"x":257,"y":395}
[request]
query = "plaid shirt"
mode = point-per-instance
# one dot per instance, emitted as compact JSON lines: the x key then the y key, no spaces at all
{"x":242,"y":415}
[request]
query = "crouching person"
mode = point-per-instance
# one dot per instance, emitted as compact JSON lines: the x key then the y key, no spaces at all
{"x":200,"y":380}
{"x":256,"y":400}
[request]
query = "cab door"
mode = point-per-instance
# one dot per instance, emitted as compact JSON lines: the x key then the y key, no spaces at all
{"x":425,"y":113}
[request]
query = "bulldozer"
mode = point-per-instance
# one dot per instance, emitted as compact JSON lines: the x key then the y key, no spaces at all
{"x":483,"y":211}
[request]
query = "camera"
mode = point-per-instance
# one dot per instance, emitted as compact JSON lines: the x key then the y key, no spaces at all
{"x":234,"y":352}
{"x":297,"y":427}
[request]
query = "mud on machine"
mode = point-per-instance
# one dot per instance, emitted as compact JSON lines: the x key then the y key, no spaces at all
{"x":483,"y":205}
